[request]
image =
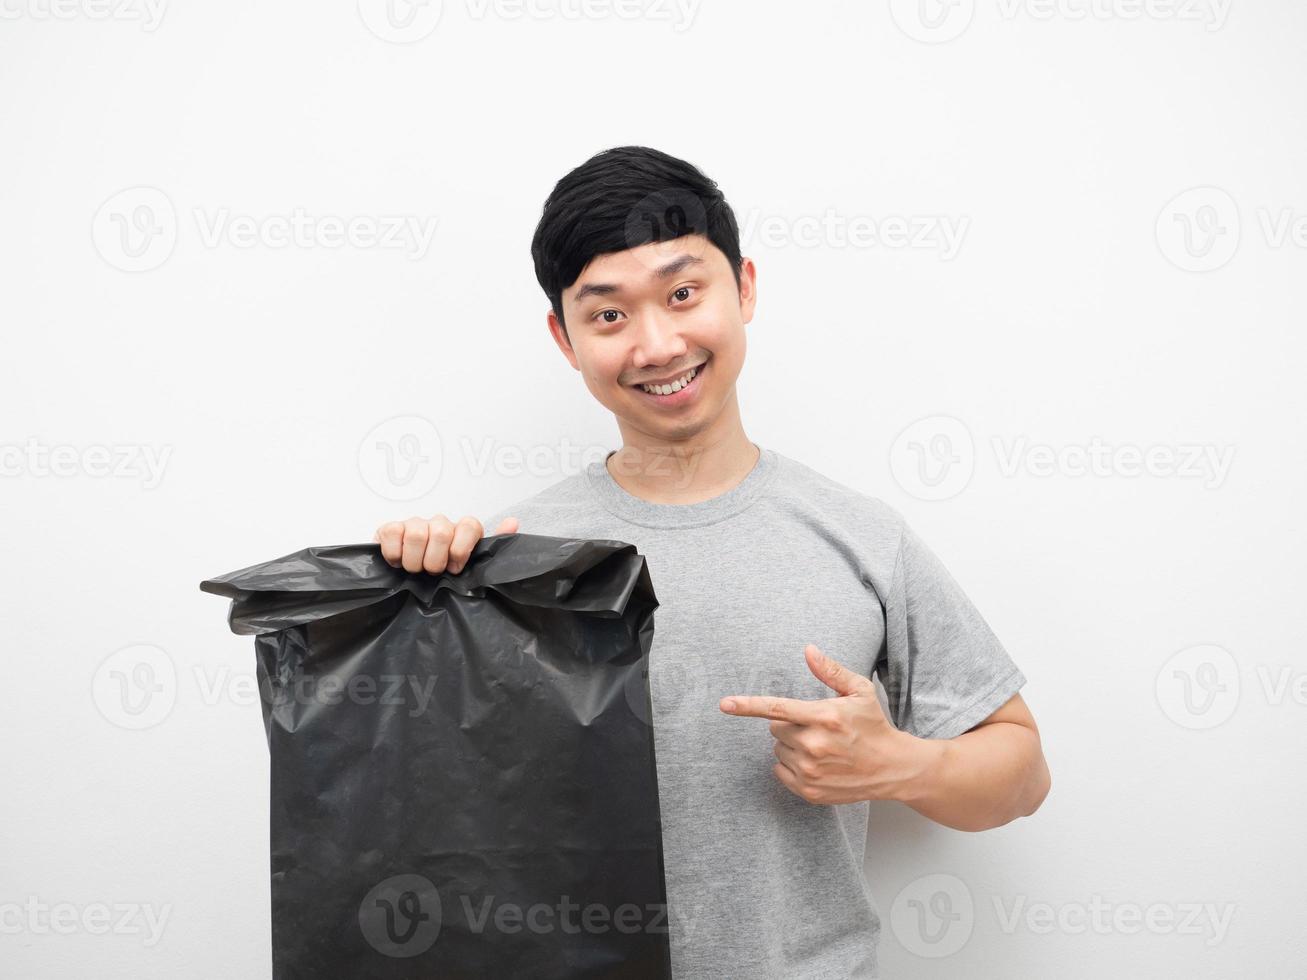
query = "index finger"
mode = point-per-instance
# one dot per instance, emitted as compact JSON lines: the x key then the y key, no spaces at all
{"x":793,"y":710}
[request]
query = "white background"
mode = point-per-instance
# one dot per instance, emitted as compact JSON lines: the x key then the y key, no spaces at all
{"x":1090,"y":299}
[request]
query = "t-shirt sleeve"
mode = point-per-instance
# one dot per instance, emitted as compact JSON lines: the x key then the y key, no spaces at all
{"x":943,"y":669}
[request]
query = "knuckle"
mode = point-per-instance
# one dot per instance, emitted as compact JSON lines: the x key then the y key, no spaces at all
{"x":441,"y":531}
{"x":831,"y":721}
{"x":463,"y":544}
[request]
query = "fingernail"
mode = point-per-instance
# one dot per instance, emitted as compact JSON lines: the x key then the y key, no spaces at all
{"x":729,"y":704}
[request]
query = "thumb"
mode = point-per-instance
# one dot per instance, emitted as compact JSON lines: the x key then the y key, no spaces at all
{"x":507,"y":526}
{"x":835,"y":675}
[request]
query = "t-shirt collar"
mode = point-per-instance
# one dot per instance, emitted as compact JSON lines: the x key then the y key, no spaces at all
{"x":631,"y":508}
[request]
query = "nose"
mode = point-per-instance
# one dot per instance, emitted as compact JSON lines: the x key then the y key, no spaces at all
{"x":657,"y":342}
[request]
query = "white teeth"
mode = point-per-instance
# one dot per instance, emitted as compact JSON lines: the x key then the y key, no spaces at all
{"x":676,"y":385}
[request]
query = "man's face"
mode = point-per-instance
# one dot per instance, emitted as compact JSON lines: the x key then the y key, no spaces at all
{"x":656,"y":313}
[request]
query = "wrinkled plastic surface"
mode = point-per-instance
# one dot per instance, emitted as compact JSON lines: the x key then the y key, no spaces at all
{"x":463,"y":780}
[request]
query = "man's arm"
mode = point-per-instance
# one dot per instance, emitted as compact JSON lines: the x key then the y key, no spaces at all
{"x":983,"y":778}
{"x":845,"y":749}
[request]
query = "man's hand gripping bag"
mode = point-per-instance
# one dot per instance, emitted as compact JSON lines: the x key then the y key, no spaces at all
{"x":463,"y":782}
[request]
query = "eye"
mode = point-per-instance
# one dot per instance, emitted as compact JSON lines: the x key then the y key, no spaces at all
{"x":682,"y":289}
{"x":604,"y":313}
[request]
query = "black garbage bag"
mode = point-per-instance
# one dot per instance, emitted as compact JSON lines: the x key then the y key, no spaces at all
{"x":463,"y":782}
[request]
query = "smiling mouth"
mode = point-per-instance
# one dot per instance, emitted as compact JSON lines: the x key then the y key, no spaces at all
{"x":680,"y":383}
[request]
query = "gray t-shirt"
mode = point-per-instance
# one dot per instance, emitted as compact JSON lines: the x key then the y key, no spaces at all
{"x":761,"y":883}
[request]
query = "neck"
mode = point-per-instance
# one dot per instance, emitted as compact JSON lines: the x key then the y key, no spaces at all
{"x":684,"y":470}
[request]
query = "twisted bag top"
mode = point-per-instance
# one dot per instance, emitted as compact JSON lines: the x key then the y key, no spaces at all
{"x":600,"y":577}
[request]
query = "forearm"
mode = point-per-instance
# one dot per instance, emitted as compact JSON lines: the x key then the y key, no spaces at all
{"x":979,"y":780}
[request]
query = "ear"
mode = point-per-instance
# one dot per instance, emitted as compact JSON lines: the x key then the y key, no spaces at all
{"x":748,"y":288}
{"x":559,"y":334}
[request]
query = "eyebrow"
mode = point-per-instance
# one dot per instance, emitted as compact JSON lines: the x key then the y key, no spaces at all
{"x":665,"y":271}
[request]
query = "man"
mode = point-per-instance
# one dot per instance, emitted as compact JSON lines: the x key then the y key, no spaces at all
{"x":781,"y":594}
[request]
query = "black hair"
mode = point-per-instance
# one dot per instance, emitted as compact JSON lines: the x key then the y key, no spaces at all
{"x":621,"y":198}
